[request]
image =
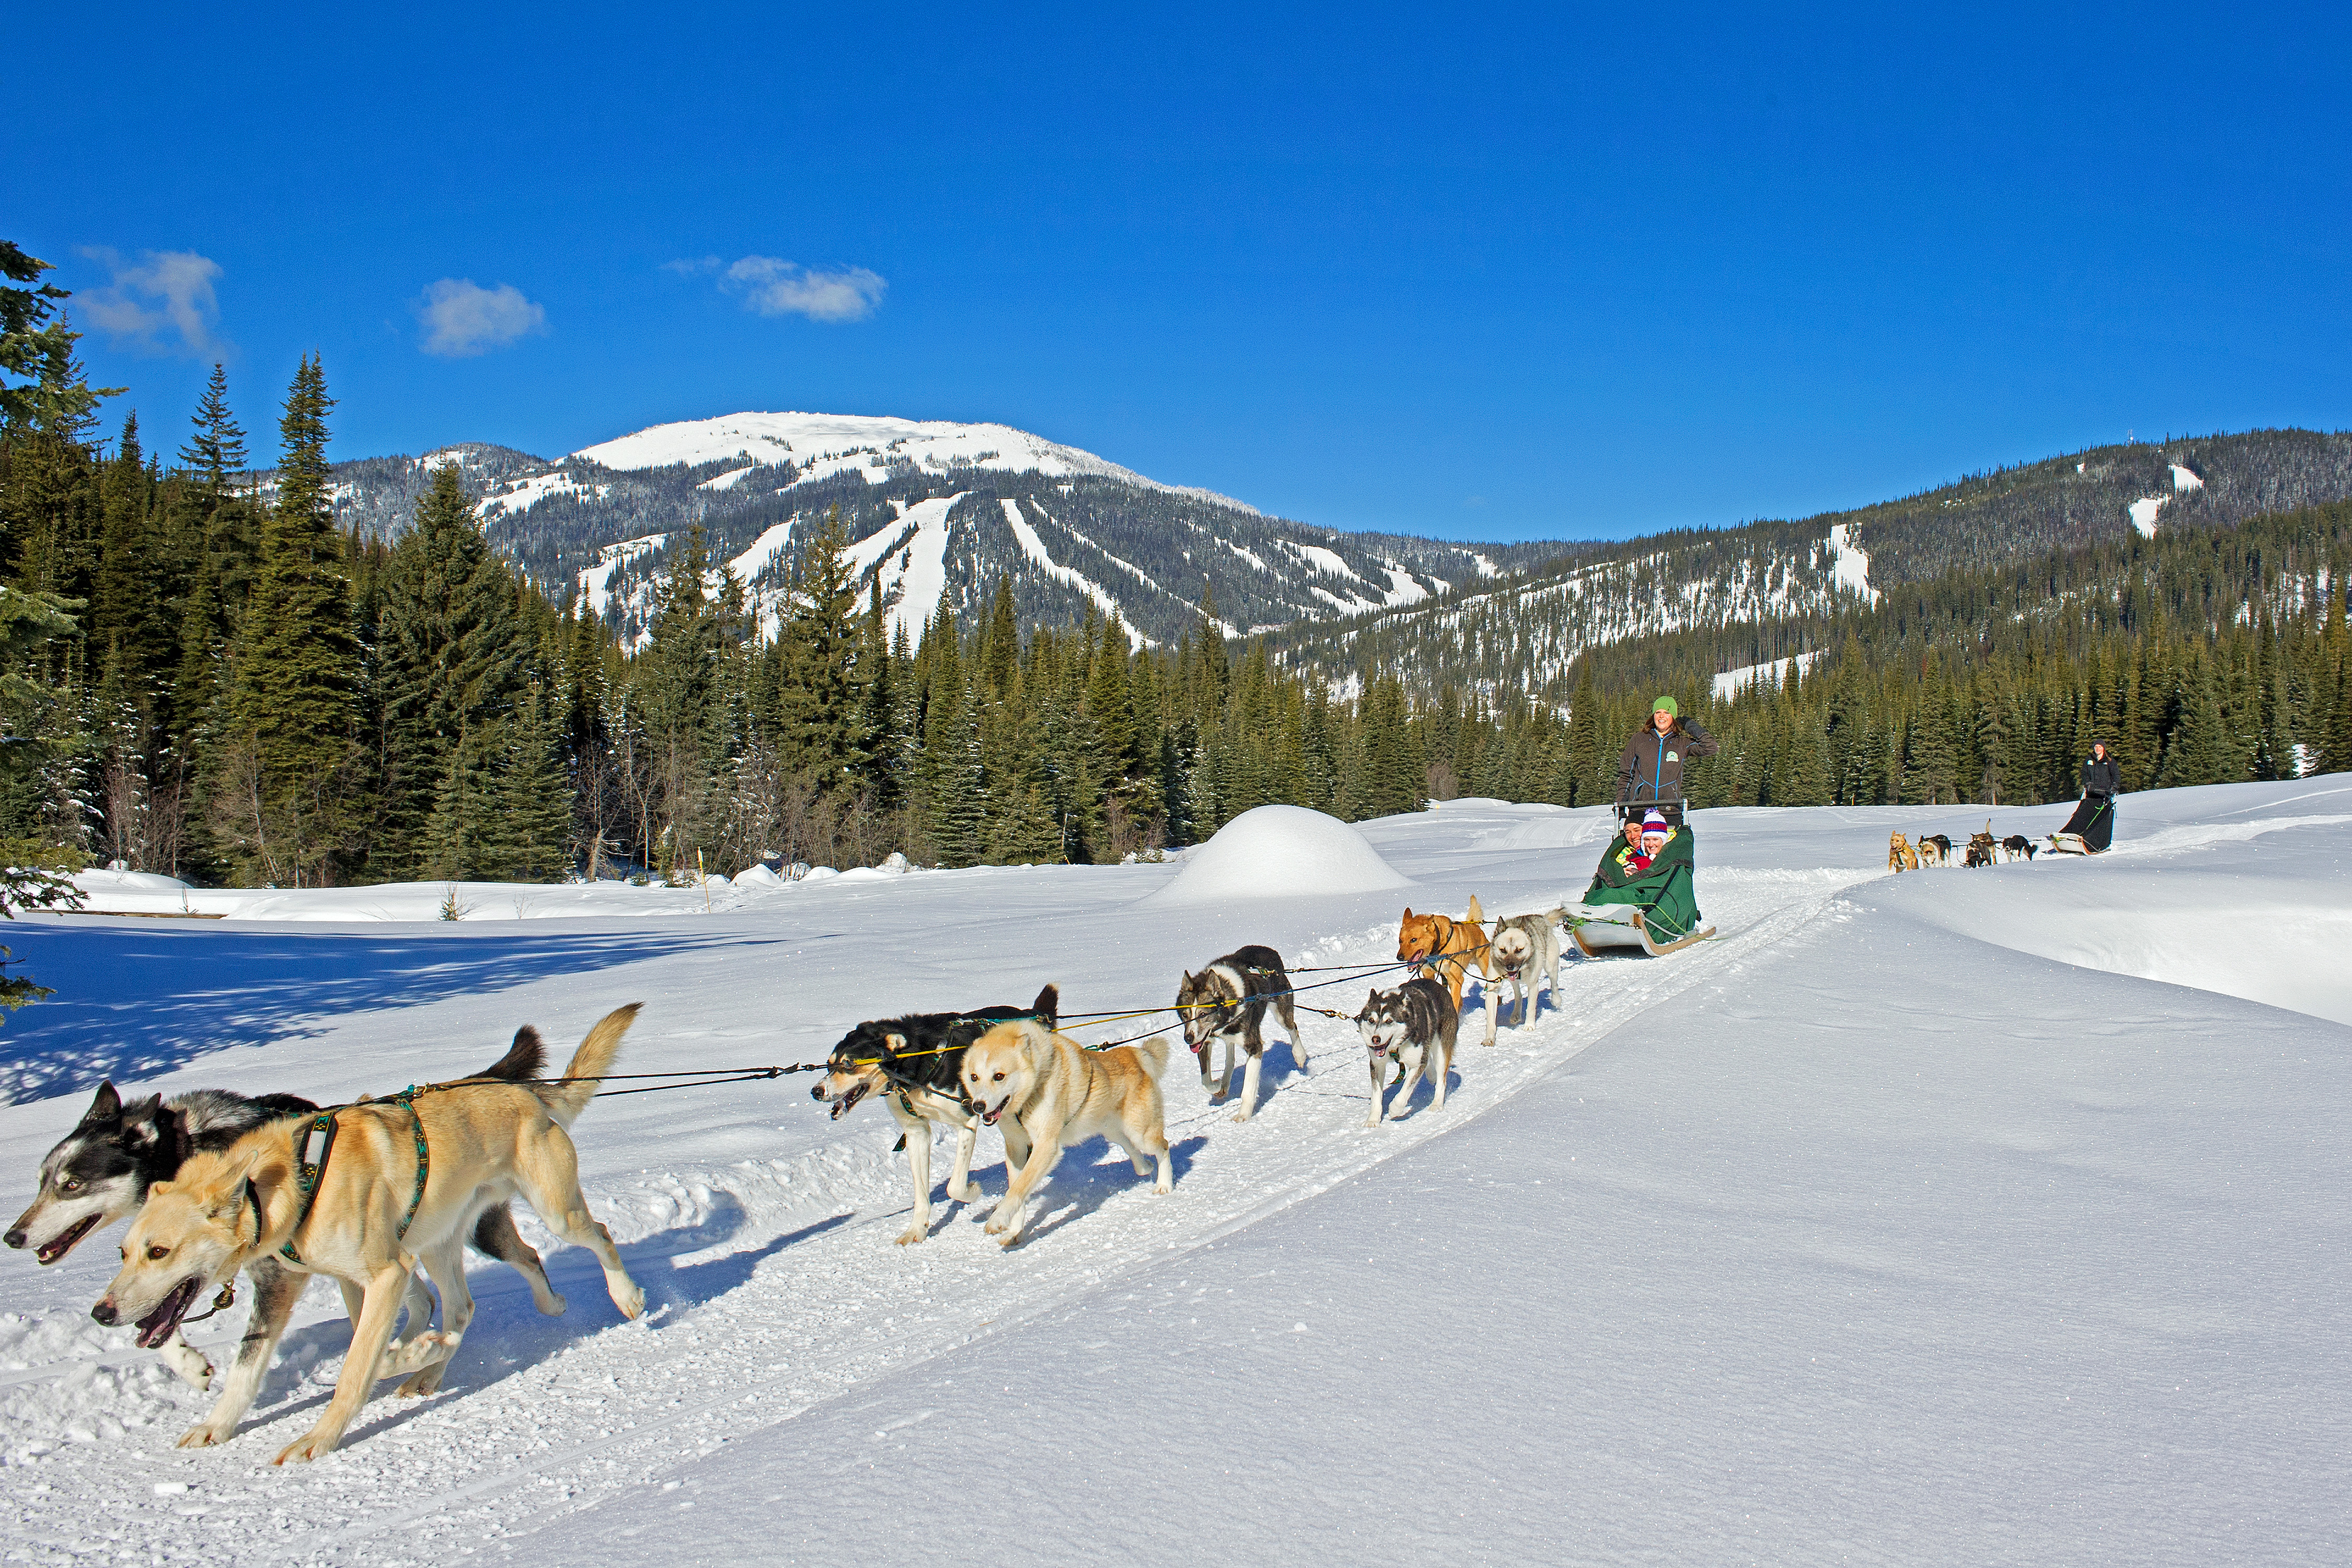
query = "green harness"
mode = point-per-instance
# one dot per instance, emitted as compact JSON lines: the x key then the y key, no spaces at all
{"x":318,"y":1140}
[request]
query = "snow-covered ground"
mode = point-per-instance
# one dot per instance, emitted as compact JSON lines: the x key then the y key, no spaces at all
{"x":1979,"y":1218}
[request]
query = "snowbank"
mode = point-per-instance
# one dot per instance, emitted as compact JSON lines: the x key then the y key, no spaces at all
{"x":101,"y":883}
{"x":1280,"y":851}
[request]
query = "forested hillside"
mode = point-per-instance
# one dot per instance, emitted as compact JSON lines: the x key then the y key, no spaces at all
{"x":1762,"y":591}
{"x":220,"y":680}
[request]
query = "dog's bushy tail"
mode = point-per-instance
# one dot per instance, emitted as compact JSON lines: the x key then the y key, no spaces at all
{"x":525,"y":1060}
{"x":566,"y":1101}
{"x":1477,"y":915}
{"x":1153,"y":1053}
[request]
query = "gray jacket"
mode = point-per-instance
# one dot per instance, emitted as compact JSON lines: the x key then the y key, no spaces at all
{"x":1651,"y":766}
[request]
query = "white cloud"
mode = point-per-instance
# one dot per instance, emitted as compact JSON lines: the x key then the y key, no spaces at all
{"x":775,"y":287}
{"x":162,"y":304}
{"x":462,"y":318}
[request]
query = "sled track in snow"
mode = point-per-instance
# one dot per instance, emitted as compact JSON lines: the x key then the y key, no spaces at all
{"x":753,"y":1320}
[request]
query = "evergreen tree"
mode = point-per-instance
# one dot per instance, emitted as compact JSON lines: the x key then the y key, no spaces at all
{"x":451,"y":654}
{"x":41,"y":384}
{"x":819,"y":715}
{"x":296,"y":665}
{"x":531,"y":841}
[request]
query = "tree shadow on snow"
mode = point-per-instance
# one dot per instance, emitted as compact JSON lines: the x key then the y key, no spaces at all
{"x":132,"y":1004}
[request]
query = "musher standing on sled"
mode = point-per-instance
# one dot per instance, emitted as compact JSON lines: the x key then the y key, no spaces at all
{"x":1650,"y":769}
{"x":2094,"y":821}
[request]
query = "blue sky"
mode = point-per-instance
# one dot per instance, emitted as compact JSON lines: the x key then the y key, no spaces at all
{"x":1468,"y":271}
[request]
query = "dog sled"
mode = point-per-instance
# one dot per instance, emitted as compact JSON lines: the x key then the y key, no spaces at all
{"x":1654,"y":909}
{"x":2090,"y":830}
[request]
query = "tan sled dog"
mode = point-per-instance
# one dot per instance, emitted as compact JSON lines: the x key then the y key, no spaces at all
{"x":1900,"y":855}
{"x":1445,"y":944}
{"x":480,"y":1140}
{"x":1048,"y":1092}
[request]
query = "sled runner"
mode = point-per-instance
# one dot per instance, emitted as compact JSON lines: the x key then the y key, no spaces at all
{"x":1598,"y":930}
{"x":1654,"y":908}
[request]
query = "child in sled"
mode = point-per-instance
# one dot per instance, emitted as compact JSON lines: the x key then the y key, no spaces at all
{"x":1649,"y":868}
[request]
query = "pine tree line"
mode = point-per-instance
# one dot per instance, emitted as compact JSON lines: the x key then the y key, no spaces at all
{"x":209,"y":677}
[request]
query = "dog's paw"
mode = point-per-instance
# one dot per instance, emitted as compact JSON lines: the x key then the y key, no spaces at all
{"x":968,"y":1195}
{"x":993,"y":1227}
{"x":631,"y":1301}
{"x":1163,"y":1188}
{"x":914,"y":1233}
{"x":424,"y":1382}
{"x":1010,"y":1239}
{"x":1243,"y":1114}
{"x":205,"y":1435}
{"x":317,"y":1444}
{"x":553,"y":1306}
{"x":189,"y":1366}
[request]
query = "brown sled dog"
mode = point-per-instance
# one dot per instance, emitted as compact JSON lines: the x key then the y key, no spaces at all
{"x":1444,"y":944}
{"x":1047,"y":1092}
{"x":482,"y":1140}
{"x":1900,"y":855}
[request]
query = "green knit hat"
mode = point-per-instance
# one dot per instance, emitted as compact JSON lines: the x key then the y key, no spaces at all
{"x":1666,"y":705}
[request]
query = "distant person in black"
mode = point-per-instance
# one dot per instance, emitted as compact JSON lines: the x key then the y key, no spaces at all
{"x":1650,"y":769}
{"x":2095,"y":818}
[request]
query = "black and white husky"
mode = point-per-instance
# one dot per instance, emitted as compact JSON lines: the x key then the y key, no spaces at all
{"x":1227,"y":1001}
{"x":912,"y":1065}
{"x":101,"y":1170}
{"x":1412,"y":1025}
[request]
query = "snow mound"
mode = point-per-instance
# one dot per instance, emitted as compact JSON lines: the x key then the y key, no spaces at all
{"x":127,"y":882}
{"x":1278,"y":852}
{"x":758,"y":877}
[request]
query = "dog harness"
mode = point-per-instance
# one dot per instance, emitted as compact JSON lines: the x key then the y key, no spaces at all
{"x":318,"y":1140}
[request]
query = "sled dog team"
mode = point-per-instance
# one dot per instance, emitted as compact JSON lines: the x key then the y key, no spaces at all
{"x":1905,"y":854}
{"x":277,"y":1188}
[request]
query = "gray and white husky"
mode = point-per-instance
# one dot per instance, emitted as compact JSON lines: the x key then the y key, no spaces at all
{"x":101,"y":1171}
{"x":1522,"y":949}
{"x":1227,"y":1001}
{"x":1412,"y":1025}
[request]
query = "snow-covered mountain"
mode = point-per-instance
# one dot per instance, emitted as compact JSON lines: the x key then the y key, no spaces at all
{"x":931,"y":508}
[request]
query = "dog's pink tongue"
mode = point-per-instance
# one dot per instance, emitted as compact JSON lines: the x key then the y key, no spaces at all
{"x":157,"y":1326}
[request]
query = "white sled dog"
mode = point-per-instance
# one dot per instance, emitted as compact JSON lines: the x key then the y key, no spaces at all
{"x":1524,"y":949}
{"x":391,"y":1181}
{"x":1047,"y":1092}
{"x":1414,"y":1026}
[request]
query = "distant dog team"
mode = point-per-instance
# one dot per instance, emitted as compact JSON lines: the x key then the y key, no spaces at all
{"x":1935,"y":849}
